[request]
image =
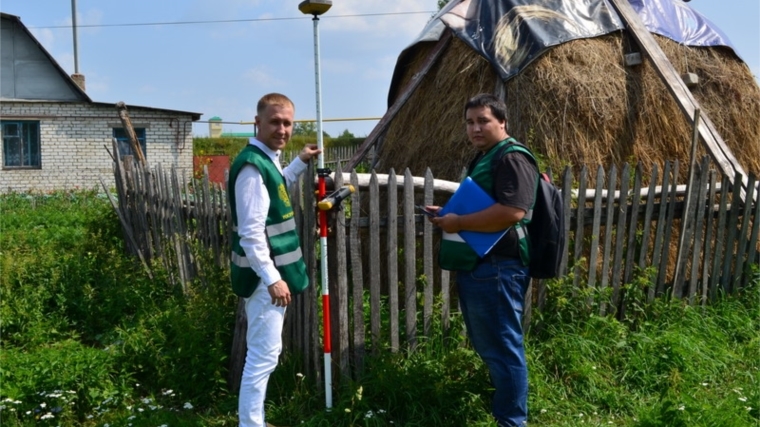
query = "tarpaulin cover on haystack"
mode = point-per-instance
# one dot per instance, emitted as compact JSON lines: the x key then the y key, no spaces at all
{"x":559,"y":65}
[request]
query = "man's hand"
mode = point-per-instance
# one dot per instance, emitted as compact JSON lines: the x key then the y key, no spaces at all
{"x":450,"y":223}
{"x":280,"y":293}
{"x":309,"y":151}
{"x":496,"y":217}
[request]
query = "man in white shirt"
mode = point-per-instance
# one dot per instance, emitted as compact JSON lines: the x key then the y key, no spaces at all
{"x":267,"y":267}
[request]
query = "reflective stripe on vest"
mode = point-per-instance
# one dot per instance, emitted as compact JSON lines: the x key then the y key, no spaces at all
{"x":279,"y":260}
{"x":528,"y":215}
{"x":521,"y":232}
{"x":276,"y":229}
{"x":283,"y":227}
{"x":288,"y":258}
{"x":452,"y":237}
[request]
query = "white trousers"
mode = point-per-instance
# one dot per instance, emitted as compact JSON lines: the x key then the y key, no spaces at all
{"x":264,"y":344}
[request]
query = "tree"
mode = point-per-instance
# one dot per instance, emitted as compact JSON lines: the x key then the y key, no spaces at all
{"x":308,"y":129}
{"x":346,"y":135}
{"x":305,"y":129}
{"x":441,"y":4}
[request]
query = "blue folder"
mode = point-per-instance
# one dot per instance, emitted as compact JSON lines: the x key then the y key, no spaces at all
{"x":470,"y":198}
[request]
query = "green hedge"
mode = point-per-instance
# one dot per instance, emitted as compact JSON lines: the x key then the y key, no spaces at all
{"x":231,"y":146}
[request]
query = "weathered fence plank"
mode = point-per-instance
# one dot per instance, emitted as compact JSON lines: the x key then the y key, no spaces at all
{"x":669,"y":220}
{"x":741,"y":245}
{"x":374,"y":267}
{"x":310,"y":338}
{"x":358,"y":280}
{"x":659,"y":235}
{"x":341,"y":343}
{"x":630,"y":251}
{"x":720,"y":246}
{"x":733,"y":219}
{"x":392,"y":247}
{"x":427,"y":256}
{"x":700,"y":207}
{"x":580,"y":218}
{"x":684,"y":241}
{"x":646,"y":227}
{"x":709,"y":243}
{"x":621,"y":211}
{"x":611,"y":184}
{"x":754,"y":237}
{"x":410,"y":249}
{"x":596,"y":223}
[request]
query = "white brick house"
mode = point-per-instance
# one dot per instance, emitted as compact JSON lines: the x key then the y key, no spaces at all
{"x":55,"y":137}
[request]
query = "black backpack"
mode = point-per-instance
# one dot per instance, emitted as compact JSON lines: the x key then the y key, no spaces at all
{"x":546,"y":224}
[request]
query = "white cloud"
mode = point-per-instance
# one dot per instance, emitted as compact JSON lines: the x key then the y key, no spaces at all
{"x":382,"y":70}
{"x":262,"y":76}
{"x":66,"y":61}
{"x":98,"y":87}
{"x":90,"y":17}
{"x":45,"y":36}
{"x":339,"y":66}
{"x":147,"y":89}
{"x":87,"y":22}
{"x":397,"y":21}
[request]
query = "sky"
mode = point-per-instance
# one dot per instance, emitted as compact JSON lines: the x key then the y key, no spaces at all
{"x":219,"y":57}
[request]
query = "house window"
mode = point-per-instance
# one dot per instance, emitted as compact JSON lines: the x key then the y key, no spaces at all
{"x":21,"y":144}
{"x":125,"y":149}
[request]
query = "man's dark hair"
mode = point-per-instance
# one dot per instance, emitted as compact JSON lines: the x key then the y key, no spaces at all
{"x":497,"y":106}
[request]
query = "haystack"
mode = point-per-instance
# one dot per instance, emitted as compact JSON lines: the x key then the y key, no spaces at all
{"x":577,"y":104}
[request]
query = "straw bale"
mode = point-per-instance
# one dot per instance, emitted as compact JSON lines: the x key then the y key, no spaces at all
{"x":429,"y":129}
{"x":578,"y":104}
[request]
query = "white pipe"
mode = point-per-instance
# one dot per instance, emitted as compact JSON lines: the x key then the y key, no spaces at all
{"x":74,"y":28}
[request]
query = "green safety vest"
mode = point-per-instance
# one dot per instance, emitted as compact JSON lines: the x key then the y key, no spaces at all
{"x":455,"y":253}
{"x":282,"y":237}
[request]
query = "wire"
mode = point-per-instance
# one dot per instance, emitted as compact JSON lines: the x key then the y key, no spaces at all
{"x":227,"y":21}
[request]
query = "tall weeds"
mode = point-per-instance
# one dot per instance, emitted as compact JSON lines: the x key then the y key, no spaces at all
{"x":88,"y":339}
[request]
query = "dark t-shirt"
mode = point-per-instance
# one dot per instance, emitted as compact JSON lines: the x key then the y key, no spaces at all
{"x":514,"y":186}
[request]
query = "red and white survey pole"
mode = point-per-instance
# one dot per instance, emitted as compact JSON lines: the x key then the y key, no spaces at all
{"x":316,"y":8}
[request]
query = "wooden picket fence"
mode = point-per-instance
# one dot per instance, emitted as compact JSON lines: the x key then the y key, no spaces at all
{"x":166,"y":216}
{"x":386,"y":290}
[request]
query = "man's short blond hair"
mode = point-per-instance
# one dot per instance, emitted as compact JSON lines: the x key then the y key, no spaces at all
{"x":273,"y":99}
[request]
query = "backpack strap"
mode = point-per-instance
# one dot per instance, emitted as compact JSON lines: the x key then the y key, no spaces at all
{"x":514,"y":146}
{"x":497,"y":155}
{"x":522,"y":226}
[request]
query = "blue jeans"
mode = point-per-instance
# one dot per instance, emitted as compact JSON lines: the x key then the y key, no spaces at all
{"x":492,"y":298}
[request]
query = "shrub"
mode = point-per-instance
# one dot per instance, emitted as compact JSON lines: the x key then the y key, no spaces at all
{"x":64,"y":379}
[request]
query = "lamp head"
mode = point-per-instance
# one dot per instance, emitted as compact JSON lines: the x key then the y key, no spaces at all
{"x":314,"y":7}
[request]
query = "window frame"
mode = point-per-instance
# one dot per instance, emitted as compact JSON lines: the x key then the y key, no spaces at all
{"x":35,"y":162}
{"x":125,"y":148}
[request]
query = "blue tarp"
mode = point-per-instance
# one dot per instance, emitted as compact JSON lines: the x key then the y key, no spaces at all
{"x":513,"y":33}
{"x":675,"y":20}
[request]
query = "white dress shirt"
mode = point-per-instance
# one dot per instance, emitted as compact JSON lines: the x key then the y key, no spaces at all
{"x":252,"y":206}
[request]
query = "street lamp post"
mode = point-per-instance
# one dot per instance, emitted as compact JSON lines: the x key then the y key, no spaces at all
{"x":316,"y":8}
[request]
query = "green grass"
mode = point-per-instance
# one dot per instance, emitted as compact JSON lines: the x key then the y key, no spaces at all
{"x":88,"y":339}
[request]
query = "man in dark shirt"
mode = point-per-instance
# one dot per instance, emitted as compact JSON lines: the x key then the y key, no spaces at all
{"x":492,"y":289}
